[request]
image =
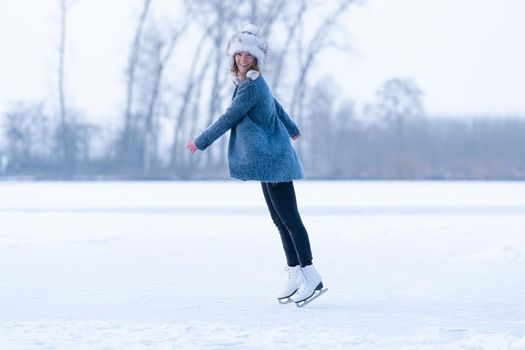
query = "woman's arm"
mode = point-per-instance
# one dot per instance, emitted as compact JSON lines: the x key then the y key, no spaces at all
{"x":288,"y":123}
{"x":246,"y":97}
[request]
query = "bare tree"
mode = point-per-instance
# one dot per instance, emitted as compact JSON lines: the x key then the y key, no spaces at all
{"x":187,"y":96}
{"x":61,"y":52}
{"x":291,"y":33}
{"x":28,"y":134}
{"x":64,"y":137}
{"x":319,"y":150}
{"x":162,"y":52}
{"x":127,"y":143}
{"x":307,"y":56}
{"x":398,"y":100}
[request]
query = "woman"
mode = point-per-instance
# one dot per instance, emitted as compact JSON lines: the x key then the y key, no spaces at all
{"x":260,"y":149}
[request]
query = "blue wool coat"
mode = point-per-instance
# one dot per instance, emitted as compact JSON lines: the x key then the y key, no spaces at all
{"x":259,"y":147}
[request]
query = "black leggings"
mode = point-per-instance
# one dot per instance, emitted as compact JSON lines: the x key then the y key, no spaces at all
{"x":280,"y":198}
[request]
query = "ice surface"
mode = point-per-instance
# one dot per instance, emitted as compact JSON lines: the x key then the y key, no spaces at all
{"x":191,"y":265}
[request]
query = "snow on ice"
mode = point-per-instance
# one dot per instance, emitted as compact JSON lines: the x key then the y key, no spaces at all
{"x":192,"y":265}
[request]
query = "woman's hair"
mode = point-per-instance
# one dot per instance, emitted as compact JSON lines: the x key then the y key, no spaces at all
{"x":255,"y":65}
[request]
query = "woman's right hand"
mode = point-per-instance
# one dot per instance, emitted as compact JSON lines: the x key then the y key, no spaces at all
{"x":191,"y":147}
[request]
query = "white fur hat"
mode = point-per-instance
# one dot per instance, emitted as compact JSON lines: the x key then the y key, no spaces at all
{"x":248,"y":40}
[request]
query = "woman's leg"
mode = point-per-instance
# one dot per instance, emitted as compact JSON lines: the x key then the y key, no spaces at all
{"x":282,"y":197}
{"x":288,"y":245}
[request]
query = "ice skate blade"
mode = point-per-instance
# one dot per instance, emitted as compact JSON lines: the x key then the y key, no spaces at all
{"x":314,"y":296}
{"x":285,"y":300}
{"x":288,"y":299}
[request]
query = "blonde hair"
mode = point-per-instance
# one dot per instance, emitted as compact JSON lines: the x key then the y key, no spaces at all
{"x":255,"y":65}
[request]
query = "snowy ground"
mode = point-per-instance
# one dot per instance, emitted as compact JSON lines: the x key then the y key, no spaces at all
{"x":196,"y":265}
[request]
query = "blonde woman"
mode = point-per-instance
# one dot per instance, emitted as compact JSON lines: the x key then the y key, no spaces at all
{"x":260,"y":149}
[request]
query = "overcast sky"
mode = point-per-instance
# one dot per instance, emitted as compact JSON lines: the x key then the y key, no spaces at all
{"x":467,"y":55}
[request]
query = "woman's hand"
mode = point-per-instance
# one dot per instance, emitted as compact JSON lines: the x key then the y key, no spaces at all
{"x":295,"y":137}
{"x":191,"y":147}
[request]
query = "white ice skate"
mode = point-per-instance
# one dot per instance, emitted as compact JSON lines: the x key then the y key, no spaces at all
{"x":292,"y":284}
{"x":311,"y":287}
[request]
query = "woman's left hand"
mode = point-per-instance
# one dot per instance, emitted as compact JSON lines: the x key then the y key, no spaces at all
{"x":191,"y":147}
{"x":295,"y":137}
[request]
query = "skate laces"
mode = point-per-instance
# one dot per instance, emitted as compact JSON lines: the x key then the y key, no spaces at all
{"x":302,"y":280}
{"x":302,"y":277}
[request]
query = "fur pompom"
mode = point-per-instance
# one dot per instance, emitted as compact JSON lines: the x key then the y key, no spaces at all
{"x":252,"y":74}
{"x":250,"y":28}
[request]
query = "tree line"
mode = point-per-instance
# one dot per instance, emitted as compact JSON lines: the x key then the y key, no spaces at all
{"x":165,"y":105}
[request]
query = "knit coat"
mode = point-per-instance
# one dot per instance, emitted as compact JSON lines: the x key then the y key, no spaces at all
{"x":259,"y":147}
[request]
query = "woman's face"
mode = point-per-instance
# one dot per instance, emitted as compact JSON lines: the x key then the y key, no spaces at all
{"x":244,"y":62}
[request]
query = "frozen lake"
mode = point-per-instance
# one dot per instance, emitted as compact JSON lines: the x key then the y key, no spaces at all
{"x":196,"y":265}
